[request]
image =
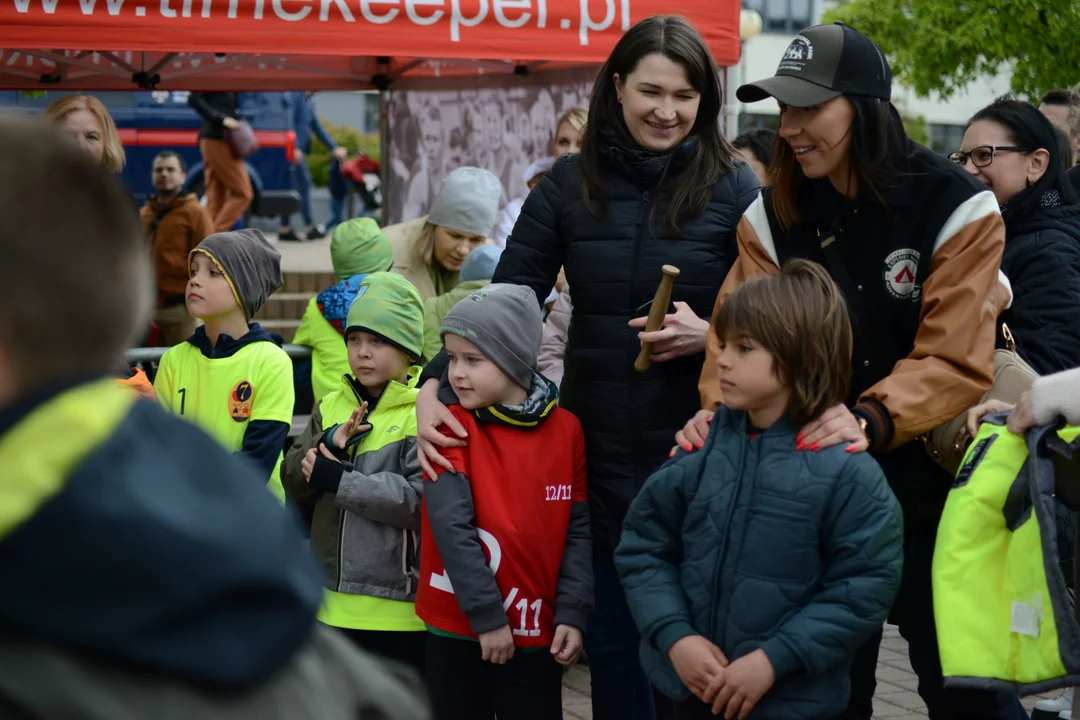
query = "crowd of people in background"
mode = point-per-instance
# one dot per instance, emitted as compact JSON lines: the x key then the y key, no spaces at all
{"x":486,"y":488}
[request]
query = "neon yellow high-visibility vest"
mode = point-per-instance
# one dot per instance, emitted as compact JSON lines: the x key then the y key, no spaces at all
{"x":1004,"y":620}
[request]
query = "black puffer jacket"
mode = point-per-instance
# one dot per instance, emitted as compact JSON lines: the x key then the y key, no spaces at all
{"x":1042,"y":262}
{"x":613,"y":264}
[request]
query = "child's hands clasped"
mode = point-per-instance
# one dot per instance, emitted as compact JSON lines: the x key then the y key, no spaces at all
{"x":741,"y":686}
{"x":566,"y":647}
{"x":497,"y":646}
{"x":354,"y":426}
{"x":698,"y":662}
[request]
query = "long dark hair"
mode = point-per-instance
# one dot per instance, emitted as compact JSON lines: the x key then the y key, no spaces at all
{"x":1029,"y":129}
{"x":878,"y":145}
{"x":674,"y":38}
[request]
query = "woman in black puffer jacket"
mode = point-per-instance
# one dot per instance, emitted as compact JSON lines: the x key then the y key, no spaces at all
{"x":1011,"y":147}
{"x":655,"y":184}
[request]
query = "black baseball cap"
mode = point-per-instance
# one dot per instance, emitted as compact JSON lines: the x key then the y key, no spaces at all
{"x":821,"y":63}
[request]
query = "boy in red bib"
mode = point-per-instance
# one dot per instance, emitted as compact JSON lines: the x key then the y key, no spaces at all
{"x":506,"y":569}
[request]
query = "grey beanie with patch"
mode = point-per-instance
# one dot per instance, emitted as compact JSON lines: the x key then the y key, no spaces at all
{"x":468,"y":201}
{"x":504,"y":322}
{"x":251,"y":264}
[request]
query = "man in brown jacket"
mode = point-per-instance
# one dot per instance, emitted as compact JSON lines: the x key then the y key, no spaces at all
{"x":174,"y":224}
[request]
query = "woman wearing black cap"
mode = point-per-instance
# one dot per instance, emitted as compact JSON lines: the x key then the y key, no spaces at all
{"x":916,"y":246}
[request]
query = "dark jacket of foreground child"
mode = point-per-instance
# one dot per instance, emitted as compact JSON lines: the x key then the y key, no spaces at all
{"x":753,"y":544}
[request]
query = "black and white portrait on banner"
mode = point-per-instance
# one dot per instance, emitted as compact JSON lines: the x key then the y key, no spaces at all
{"x":501,"y":127}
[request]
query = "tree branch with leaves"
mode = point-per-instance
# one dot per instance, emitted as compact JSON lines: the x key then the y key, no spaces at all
{"x":943,"y":45}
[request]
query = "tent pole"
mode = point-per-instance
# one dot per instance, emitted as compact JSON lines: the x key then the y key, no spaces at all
{"x":384,"y":155}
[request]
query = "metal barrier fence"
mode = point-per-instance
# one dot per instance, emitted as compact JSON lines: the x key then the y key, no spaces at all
{"x":135,"y":356}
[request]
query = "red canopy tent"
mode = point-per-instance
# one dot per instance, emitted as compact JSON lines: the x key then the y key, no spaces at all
{"x":319,"y":44}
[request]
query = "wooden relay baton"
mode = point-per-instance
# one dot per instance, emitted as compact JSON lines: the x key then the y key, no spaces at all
{"x":657,"y":312}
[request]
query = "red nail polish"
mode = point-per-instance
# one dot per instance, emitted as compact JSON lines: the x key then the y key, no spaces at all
{"x":799,"y":438}
{"x":708,"y":419}
{"x":800,"y":446}
{"x":850,"y":449}
{"x":672,"y":453}
{"x":700,"y":445}
{"x":688,"y":447}
{"x":814,"y":448}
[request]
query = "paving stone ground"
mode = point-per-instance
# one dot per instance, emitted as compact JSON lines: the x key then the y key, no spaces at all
{"x":896,"y":697}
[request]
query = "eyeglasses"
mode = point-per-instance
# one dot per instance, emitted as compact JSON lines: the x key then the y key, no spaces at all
{"x":982,"y":155}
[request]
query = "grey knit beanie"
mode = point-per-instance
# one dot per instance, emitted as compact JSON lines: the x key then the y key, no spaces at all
{"x":504,"y":323}
{"x":468,"y":201}
{"x":251,"y":264}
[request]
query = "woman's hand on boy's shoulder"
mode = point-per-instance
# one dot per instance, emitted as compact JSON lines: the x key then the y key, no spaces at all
{"x":698,"y":662}
{"x":834,"y":426}
{"x":566,"y":646}
{"x":431,"y":415}
{"x":742,"y":685}
{"x":694,"y":434}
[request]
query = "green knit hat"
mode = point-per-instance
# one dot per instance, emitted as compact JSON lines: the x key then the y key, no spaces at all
{"x":358,"y":247}
{"x":389,"y":306}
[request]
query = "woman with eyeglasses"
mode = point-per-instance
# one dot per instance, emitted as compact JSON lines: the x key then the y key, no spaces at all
{"x":1011,"y":146}
{"x":916,"y":246}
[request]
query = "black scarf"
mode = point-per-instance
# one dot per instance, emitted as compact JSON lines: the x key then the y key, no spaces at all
{"x":640,"y":165}
{"x":543,"y":397}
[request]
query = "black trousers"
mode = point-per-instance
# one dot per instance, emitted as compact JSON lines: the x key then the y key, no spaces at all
{"x":406,"y":648}
{"x":913,"y":613}
{"x":694,"y":709}
{"x":464,"y":687}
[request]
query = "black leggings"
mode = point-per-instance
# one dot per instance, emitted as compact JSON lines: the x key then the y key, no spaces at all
{"x":464,"y":687}
{"x":406,"y":648}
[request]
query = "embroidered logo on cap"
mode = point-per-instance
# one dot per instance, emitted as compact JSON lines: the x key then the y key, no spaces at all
{"x":901,"y":267}
{"x":798,"y":53}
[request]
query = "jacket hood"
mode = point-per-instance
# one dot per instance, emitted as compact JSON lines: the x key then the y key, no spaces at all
{"x":1064,"y":219}
{"x":334,"y":302}
{"x":227,"y":346}
{"x":165,"y":552}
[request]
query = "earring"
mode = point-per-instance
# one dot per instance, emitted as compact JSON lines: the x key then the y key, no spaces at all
{"x":1029,"y":182}
{"x":620,"y":99}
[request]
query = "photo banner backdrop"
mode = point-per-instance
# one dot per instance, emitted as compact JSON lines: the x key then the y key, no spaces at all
{"x":500,"y":128}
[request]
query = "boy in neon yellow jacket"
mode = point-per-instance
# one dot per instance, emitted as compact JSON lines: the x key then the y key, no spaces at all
{"x":231,"y":377}
{"x":356,"y":462}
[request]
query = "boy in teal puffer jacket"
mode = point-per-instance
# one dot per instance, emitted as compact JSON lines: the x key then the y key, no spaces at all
{"x":755,"y":569}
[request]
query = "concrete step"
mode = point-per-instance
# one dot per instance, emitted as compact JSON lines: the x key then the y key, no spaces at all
{"x":307,"y":282}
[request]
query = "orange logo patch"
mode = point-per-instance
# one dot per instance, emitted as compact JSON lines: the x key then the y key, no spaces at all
{"x":240,"y":401}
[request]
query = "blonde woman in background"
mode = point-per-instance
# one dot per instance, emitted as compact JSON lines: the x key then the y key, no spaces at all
{"x":430,"y":250}
{"x":85,"y":117}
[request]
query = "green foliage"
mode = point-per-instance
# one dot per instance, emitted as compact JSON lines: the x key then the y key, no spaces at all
{"x":943,"y":45}
{"x":318,"y":159}
{"x":916,"y":128}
